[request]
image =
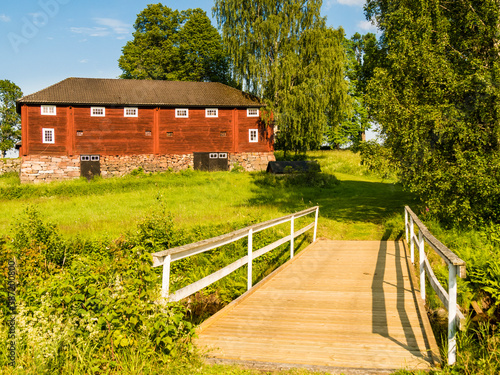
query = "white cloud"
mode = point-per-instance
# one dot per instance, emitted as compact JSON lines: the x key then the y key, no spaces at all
{"x":84,"y":61}
{"x":107,"y":27}
{"x":4,"y":18}
{"x":354,"y":3}
{"x":91,"y":31}
{"x":118,"y":27}
{"x":367,"y":26}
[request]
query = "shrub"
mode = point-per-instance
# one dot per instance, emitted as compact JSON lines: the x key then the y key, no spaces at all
{"x":377,"y":158}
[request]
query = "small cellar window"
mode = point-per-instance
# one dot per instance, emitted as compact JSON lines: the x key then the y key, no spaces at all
{"x":223,"y":134}
{"x":148,"y":133}
{"x":79,"y":133}
{"x":170,"y":134}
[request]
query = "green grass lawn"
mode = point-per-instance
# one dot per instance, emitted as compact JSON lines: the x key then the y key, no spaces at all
{"x":360,"y":207}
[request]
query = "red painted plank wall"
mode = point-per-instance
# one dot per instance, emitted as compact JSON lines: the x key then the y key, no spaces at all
{"x":115,"y":134}
{"x":196,"y":133}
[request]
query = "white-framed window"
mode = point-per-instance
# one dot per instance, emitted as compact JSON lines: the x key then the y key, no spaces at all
{"x":222,"y":155}
{"x":48,"y":110}
{"x":214,"y":155}
{"x":97,"y":111}
{"x":253,"y":135}
{"x":252,"y":112}
{"x":48,"y":135}
{"x":85,"y":157}
{"x":94,"y":158}
{"x":181,"y":113}
{"x":211,"y":112}
{"x":130,"y":112}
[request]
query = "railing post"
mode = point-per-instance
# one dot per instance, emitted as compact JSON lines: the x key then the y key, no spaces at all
{"x":452,"y":313}
{"x":292,"y":232}
{"x":316,"y":224}
{"x":412,"y":244}
{"x":406,"y":225}
{"x":421,"y":256}
{"x":250,"y":260}
{"x":165,"y":281}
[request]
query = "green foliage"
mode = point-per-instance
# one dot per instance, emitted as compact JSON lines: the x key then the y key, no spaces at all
{"x":10,"y":121}
{"x":311,"y":179}
{"x":363,"y":55}
{"x":175,"y":46}
{"x":377,"y":158}
{"x":106,"y":299}
{"x":437,"y":99}
{"x":283,"y":52}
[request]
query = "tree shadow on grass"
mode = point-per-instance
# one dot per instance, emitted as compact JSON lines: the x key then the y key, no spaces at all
{"x":349,"y":201}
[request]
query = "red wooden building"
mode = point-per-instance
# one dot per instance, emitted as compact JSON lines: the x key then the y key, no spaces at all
{"x":83,"y":126}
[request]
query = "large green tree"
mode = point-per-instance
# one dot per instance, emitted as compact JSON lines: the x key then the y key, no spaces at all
{"x":10,"y":121}
{"x":283,"y":52}
{"x":176,"y":46}
{"x":437,"y":98}
{"x":363,"y":55}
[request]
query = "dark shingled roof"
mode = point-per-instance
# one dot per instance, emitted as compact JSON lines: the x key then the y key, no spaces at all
{"x":96,"y":91}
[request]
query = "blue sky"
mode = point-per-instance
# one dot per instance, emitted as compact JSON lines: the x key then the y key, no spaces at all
{"x":45,"y":41}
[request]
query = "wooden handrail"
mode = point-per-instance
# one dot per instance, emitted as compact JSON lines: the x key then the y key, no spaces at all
{"x":165,"y":257}
{"x":456,"y":267}
{"x":448,"y":256}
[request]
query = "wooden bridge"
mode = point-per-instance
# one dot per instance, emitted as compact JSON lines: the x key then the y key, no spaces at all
{"x":338,"y":306}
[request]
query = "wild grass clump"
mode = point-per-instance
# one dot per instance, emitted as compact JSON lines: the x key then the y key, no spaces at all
{"x":9,"y":179}
{"x":94,"y":306}
{"x":69,"y":301}
{"x":294,"y":179}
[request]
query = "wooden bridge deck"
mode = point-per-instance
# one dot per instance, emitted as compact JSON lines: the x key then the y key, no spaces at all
{"x":347,"y":306}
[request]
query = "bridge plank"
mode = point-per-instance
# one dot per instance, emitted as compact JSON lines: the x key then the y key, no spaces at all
{"x":348,"y":304}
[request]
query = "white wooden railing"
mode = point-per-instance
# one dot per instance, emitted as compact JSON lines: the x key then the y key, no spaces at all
{"x":456,"y":267}
{"x":166,"y":257}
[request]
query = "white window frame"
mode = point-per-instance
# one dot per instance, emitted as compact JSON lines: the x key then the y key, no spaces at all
{"x":103,"y":114}
{"x":178,"y":115}
{"x":212,"y":115}
{"x":48,"y":110}
{"x":213,"y":155}
{"x":222,"y":155}
{"x":250,"y":114}
{"x":135,"y":113}
{"x":253,"y":135}
{"x":47,"y":131}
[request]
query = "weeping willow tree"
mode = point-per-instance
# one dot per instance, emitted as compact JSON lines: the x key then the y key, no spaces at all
{"x":283,"y":52}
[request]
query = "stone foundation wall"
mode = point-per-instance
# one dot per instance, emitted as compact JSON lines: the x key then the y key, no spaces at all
{"x":251,"y":161}
{"x":10,"y":165}
{"x":117,"y":166}
{"x":38,"y":168}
